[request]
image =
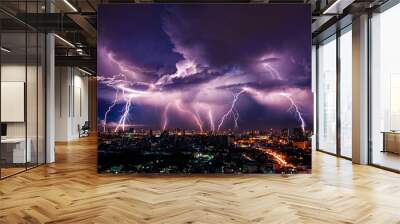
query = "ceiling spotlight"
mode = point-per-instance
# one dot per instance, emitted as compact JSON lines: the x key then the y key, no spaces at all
{"x":64,"y":40}
{"x":5,"y":50}
{"x":70,"y":5}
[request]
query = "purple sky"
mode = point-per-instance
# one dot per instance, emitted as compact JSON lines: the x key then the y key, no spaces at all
{"x":203,"y":66}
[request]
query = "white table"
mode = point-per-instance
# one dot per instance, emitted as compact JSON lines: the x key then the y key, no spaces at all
{"x":19,"y":153}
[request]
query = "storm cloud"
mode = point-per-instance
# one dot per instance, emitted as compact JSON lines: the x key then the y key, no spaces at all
{"x":185,"y":62}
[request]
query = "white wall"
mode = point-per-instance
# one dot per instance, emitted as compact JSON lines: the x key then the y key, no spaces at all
{"x":80,"y":111}
{"x":71,"y":102}
{"x":61,"y":103}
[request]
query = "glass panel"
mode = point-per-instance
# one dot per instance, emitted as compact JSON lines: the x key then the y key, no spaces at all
{"x":22,"y":89}
{"x":13,"y":86}
{"x":327,"y":96}
{"x":32,"y":87}
{"x":385,"y":84}
{"x":31,"y":97}
{"x":346,"y":94}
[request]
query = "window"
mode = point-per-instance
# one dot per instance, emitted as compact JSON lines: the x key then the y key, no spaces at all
{"x":346,"y":93}
{"x":385,"y":89}
{"x":327,"y":95}
{"x":335,"y":108}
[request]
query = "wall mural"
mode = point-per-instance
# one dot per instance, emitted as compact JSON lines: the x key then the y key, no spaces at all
{"x":204,"y":88}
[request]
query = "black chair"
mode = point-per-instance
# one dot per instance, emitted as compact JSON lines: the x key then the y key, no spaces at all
{"x":84,"y":130}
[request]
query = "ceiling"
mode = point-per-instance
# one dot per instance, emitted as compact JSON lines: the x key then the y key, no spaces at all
{"x":75,"y":21}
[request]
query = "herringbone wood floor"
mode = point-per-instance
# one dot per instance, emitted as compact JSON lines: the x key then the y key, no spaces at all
{"x":70,"y":191}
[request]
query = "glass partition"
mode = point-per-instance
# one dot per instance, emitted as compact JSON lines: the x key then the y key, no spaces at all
{"x":14,"y":153}
{"x":22,"y":88}
{"x":31,"y":97}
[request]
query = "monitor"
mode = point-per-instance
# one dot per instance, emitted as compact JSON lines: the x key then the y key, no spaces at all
{"x":3,"y":129}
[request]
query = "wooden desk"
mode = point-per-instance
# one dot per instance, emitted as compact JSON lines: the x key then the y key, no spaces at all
{"x":391,"y":141}
{"x":16,"y":147}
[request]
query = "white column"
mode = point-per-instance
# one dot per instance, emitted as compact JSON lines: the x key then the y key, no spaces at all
{"x":314,"y":91}
{"x":50,"y":92}
{"x":50,"y":99}
{"x":360,"y":90}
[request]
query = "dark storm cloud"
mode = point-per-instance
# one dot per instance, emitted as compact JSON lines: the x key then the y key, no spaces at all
{"x":212,"y":36}
{"x":135,"y":34}
{"x":201,"y":54}
{"x":266,"y":87}
{"x":217,"y":36}
{"x":192,"y":80}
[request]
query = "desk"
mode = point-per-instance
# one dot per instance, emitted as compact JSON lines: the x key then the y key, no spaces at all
{"x":16,"y":147}
{"x":391,"y":141}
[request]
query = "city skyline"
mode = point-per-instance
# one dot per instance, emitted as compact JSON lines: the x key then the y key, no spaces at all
{"x":177,"y":152}
{"x":173,"y":66}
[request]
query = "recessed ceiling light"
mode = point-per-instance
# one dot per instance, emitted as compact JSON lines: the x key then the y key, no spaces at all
{"x":84,"y":71}
{"x":64,"y":40}
{"x":70,"y":5}
{"x":337,"y":7}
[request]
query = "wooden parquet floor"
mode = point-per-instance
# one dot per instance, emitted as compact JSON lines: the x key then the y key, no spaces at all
{"x":70,"y":191}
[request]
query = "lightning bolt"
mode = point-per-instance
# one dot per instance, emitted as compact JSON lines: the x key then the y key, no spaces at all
{"x":235,"y":99}
{"x":195,"y":117}
{"x":273,"y":71}
{"x":211,"y":119}
{"x":122,"y":87}
{"x":296,"y":109}
{"x":165,"y":115}
{"x":109,"y":109}
{"x":122,"y":120}
{"x":236,"y":118}
{"x":198,"y":121}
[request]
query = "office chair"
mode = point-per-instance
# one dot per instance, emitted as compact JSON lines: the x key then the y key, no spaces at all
{"x":84,"y":130}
